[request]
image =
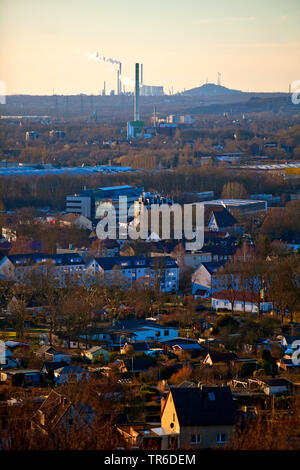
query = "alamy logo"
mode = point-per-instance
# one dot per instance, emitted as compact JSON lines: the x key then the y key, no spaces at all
{"x":2,"y":92}
{"x":2,"y":353}
{"x":295,"y":89}
{"x":296,"y":353}
{"x":135,"y":222}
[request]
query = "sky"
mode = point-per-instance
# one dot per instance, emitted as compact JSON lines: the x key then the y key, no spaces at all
{"x":182,"y":44}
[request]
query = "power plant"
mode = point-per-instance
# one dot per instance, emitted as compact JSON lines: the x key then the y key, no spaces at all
{"x":135,"y":127}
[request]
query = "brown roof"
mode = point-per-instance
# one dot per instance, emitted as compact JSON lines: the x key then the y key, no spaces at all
{"x":238,"y":296}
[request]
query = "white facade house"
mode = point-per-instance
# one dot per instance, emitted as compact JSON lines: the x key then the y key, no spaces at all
{"x":158,"y":332}
{"x":206,"y":279}
{"x":243,"y":302}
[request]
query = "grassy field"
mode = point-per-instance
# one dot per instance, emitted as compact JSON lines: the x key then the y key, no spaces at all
{"x":31,"y":334}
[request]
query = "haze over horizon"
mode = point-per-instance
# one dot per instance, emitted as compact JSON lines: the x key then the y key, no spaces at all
{"x":44,"y":46}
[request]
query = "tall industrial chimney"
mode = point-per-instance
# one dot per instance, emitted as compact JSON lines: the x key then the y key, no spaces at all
{"x":142,"y":75}
{"x":137,"y":93}
{"x":118,"y":82}
{"x":120,"y":74}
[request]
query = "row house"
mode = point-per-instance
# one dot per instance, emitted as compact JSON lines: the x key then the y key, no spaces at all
{"x":70,"y":268}
{"x":63,"y":268}
{"x":162,"y":271}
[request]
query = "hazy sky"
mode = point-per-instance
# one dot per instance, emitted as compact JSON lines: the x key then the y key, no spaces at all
{"x":255,"y":44}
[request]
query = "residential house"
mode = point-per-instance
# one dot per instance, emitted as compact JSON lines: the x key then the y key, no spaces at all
{"x":170,"y":343}
{"x":274,"y":386}
{"x":197,"y":418}
{"x":128,"y":269}
{"x":137,"y":347}
{"x":218,"y":218}
{"x":145,"y":330}
{"x":95,"y":353}
{"x":67,"y":374}
{"x":76,"y":220}
{"x":62,"y":268}
{"x":193,"y":349}
{"x":206,"y":279}
{"x":23,"y":377}
{"x":134,"y":364}
{"x":140,"y":436}
{"x":50,"y":354}
{"x":243,"y":302}
{"x":49,"y":367}
{"x":59,"y":413}
{"x":7,"y":358}
{"x":216,"y":357}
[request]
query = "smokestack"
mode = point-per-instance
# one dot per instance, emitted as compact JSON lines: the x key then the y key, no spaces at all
{"x":137,"y":93}
{"x":120,"y":74}
{"x":118,"y":82}
{"x":142,"y":75}
{"x":154,"y":116}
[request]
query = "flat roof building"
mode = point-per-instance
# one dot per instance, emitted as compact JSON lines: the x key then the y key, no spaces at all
{"x":93,"y":203}
{"x":242,"y":206}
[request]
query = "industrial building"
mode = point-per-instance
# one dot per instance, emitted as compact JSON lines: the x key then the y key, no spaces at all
{"x":135,"y":127}
{"x":179,"y":119}
{"x":150,"y":90}
{"x":92,"y":203}
{"x":241,"y":206}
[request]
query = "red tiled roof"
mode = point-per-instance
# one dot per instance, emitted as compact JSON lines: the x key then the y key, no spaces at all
{"x":238,"y":296}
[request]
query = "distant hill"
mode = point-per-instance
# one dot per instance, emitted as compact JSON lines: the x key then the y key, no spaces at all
{"x":210,"y":89}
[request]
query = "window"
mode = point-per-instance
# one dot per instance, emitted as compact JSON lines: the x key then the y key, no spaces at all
{"x":174,"y":417}
{"x":211,"y":396}
{"x":195,"y":439}
{"x":221,"y":438}
{"x":166,"y":333}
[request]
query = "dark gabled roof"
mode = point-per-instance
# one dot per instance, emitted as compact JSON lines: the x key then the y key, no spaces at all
{"x":139,"y":346}
{"x":194,"y":407}
{"x":138,"y":363}
{"x":212,"y":267}
{"x":45,"y":349}
{"x":71,"y":370}
{"x":222,"y":216}
{"x":226,"y":250}
{"x":135,"y":262}
{"x":222,"y":357}
{"x":49,"y":366}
